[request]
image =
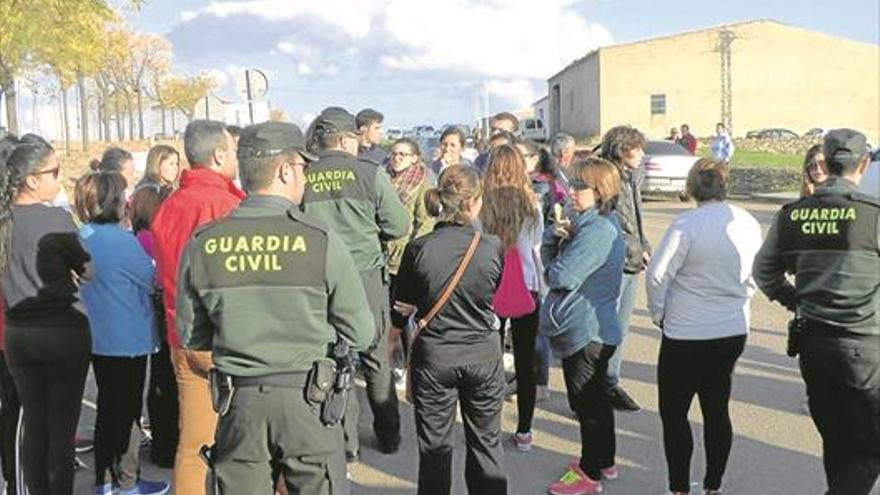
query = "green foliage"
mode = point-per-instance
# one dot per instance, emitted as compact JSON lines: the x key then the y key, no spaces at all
{"x":749,"y":158}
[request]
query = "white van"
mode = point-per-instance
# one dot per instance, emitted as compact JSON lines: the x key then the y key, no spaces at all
{"x":533,"y":129}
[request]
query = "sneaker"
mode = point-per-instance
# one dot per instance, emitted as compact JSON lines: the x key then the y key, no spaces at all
{"x":105,"y":489}
{"x":542,"y":393}
{"x":621,"y":401}
{"x":145,"y":487}
{"x":574,"y":482}
{"x":610,"y":473}
{"x":83,"y":445}
{"x":523,"y":441}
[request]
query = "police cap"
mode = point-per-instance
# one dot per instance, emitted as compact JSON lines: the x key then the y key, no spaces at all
{"x":334,"y":120}
{"x":844,"y":147}
{"x":272,"y":138}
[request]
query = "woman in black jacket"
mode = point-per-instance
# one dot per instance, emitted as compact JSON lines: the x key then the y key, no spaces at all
{"x":457,"y":354}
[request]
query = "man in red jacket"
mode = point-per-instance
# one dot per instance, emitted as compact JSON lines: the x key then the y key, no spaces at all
{"x":206,"y":193}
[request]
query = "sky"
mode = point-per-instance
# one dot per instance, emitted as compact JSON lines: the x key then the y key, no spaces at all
{"x":440,"y":61}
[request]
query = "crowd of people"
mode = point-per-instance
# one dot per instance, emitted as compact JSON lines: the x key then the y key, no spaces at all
{"x":235,"y":277}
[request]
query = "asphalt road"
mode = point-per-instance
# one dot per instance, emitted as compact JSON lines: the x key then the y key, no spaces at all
{"x":776,"y":450}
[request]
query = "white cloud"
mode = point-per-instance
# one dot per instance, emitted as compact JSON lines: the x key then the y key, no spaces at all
{"x":519,"y":93}
{"x":188,"y":15}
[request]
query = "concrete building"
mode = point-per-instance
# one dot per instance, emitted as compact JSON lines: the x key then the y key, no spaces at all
{"x":754,"y":75}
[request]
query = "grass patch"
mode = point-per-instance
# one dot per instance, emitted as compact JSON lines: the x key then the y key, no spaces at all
{"x":749,"y":158}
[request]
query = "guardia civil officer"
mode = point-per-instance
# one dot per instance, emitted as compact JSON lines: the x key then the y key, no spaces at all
{"x":355,"y":199}
{"x":830,"y":242}
{"x":267,"y":291}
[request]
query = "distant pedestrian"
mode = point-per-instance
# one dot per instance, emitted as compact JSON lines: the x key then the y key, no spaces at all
{"x":687,"y":140}
{"x":673,"y":135}
{"x":370,"y":135}
{"x":815,"y":170}
{"x":699,"y":287}
{"x":584,"y":258}
{"x":121,"y":321}
{"x":451,"y":145}
{"x":722,"y":145}
{"x":446,"y":280}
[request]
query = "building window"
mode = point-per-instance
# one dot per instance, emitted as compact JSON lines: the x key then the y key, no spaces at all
{"x":658,"y":104}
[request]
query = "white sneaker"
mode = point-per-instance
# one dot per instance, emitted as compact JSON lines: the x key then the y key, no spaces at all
{"x":523,"y":441}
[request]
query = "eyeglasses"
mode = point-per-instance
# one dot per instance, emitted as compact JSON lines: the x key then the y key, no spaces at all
{"x":54,"y":171}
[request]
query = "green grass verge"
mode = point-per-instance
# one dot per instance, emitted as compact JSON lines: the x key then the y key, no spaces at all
{"x":748,"y":158}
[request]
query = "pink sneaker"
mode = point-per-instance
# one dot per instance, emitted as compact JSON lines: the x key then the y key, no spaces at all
{"x":523,"y":441}
{"x":574,"y":482}
{"x":608,"y":474}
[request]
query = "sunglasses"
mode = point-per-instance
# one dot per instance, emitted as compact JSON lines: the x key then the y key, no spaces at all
{"x":54,"y":171}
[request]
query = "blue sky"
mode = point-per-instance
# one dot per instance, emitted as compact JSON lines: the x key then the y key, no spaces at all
{"x":441,"y":61}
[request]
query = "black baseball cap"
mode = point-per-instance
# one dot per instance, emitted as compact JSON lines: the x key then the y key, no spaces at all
{"x":272,"y":138}
{"x":368,"y":115}
{"x":333,"y":120}
{"x":844,"y":147}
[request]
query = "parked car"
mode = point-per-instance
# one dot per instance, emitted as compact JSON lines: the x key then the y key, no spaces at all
{"x":423,"y":130}
{"x":393,"y":133}
{"x":776,"y":133}
{"x":815,"y":132}
{"x":533,"y":129}
{"x":666,"y":166}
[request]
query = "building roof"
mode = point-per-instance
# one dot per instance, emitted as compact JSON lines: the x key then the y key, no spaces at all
{"x":698,"y":31}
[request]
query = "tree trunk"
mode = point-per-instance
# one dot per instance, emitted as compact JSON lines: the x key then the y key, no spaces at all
{"x":7,"y":87}
{"x":65,"y":124}
{"x":173,"y":124}
{"x":162,"y":112}
{"x":83,"y":109}
{"x":129,"y":108}
{"x":120,"y":125}
{"x":140,"y":104}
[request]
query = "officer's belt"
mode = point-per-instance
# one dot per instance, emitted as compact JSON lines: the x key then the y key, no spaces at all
{"x":820,"y":327}
{"x":286,"y":380}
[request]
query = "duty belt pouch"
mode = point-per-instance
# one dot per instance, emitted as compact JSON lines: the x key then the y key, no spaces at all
{"x":320,"y":382}
{"x":796,"y":328}
{"x":221,"y":391}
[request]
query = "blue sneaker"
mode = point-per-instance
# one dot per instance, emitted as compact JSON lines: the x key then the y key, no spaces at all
{"x":145,"y":487}
{"x":105,"y":489}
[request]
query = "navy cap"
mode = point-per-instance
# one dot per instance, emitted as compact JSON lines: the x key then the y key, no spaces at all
{"x":272,"y":138}
{"x":334,"y":120}
{"x":844,"y":147}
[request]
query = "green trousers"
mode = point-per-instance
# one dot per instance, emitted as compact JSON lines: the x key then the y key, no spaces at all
{"x":274,"y":429}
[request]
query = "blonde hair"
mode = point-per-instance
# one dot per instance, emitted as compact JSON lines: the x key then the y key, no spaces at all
{"x":601,"y":176}
{"x":158,"y":154}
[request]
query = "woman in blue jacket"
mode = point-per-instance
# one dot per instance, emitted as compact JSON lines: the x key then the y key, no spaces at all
{"x":584,"y":265}
{"x":120,"y":316}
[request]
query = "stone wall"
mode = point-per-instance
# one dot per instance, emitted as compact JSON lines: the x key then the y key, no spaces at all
{"x":748,"y":180}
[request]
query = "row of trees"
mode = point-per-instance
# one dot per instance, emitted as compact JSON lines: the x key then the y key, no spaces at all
{"x":85,"y":44}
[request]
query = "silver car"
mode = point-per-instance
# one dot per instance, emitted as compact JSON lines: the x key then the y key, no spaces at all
{"x":666,"y":166}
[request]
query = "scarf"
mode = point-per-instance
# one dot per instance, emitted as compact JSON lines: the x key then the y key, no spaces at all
{"x":407,"y":181}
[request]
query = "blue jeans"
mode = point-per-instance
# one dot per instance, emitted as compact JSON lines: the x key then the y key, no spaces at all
{"x":625,"y":305}
{"x":543,"y":359}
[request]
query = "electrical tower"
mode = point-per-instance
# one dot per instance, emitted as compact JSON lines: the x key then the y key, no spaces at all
{"x":725,"y":40}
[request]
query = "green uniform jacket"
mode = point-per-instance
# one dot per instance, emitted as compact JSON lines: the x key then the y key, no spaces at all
{"x":355,"y":199}
{"x":830,"y":242}
{"x":267,"y":290}
{"x":422,"y":224}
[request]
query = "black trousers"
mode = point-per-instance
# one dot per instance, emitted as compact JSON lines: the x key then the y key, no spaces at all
{"x":162,"y":405}
{"x":381,"y":393}
{"x":49,"y":365}
{"x":586,"y":384}
{"x":120,"y":382}
{"x":842,"y":374}
{"x":437,"y":388}
{"x":10,"y":406}
{"x":703,"y":368}
{"x":524,"y":333}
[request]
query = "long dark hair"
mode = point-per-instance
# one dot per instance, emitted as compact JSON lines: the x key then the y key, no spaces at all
{"x":18,"y":159}
{"x":111,"y":160}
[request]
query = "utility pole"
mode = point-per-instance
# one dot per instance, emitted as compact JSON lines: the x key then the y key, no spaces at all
{"x":725,"y":40}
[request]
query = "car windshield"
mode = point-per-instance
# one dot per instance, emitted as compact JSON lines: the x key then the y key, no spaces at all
{"x":665,"y":148}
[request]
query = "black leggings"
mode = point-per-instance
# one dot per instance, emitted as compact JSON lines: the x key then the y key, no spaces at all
{"x":10,"y":406}
{"x":524,"y":331}
{"x":49,"y":365}
{"x":120,"y":382}
{"x":702,"y":368}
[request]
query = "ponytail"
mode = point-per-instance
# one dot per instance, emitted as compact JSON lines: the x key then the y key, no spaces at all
{"x":456,"y":188}
{"x":18,"y":158}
